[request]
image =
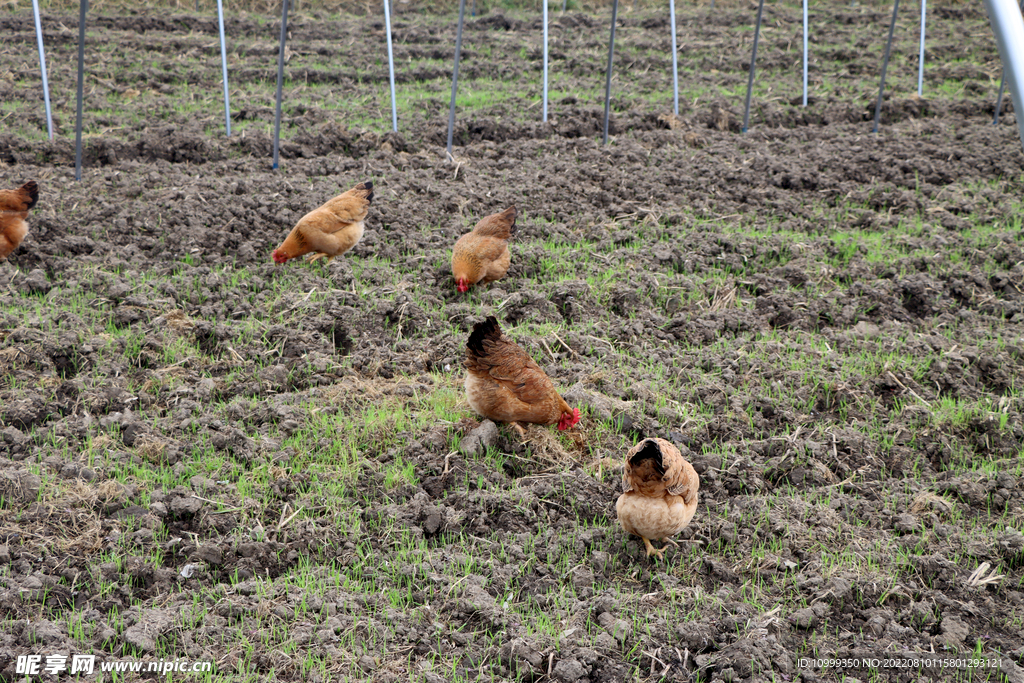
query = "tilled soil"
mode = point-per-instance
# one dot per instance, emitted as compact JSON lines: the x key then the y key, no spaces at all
{"x":855,"y":419}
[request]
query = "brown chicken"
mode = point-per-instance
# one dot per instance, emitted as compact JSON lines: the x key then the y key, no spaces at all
{"x":14,"y":207}
{"x":505,"y":385}
{"x":482,"y":255}
{"x":659,"y":493}
{"x":331,"y":230}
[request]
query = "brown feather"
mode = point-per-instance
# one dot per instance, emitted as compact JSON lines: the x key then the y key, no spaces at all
{"x":14,"y":207}
{"x":659,"y":491}
{"x":482,"y":255}
{"x":504,"y":383}
{"x":331,"y":229}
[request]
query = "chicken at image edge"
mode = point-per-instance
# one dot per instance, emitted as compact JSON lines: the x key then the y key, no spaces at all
{"x":659,"y":493}
{"x":504,"y":384}
{"x":329,"y":230}
{"x":14,"y":208}
{"x":481,"y":255}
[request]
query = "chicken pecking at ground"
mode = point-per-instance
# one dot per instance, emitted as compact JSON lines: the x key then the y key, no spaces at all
{"x":659,"y":493}
{"x":482,"y":255}
{"x":504,"y":384}
{"x":330,"y":230}
{"x":14,"y":208}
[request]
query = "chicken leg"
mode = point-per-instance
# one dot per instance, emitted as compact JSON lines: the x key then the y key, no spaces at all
{"x":651,"y":550}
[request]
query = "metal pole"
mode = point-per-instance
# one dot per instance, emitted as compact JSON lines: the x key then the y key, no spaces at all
{"x":391,"y":66}
{"x":280,"y":81}
{"x":999,"y":100}
{"x":474,"y":8}
{"x":1008,"y":25}
{"x":920,"y":56}
{"x":885,"y":65}
{"x":224,"y":68}
{"x":805,"y":53}
{"x":675,"y":58}
{"x":42,"y":68}
{"x":564,"y":3}
{"x":83,"y":7}
{"x":1002,"y":87}
{"x":608,"y":79}
{"x":753,"y":60}
{"x":545,"y":4}
{"x":455,"y":74}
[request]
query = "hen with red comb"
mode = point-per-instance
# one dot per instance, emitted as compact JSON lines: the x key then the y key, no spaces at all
{"x":504,"y":384}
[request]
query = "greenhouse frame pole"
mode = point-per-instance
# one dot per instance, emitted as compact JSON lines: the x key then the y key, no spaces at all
{"x":1002,"y":88}
{"x":391,"y":66}
{"x":455,"y":74}
{"x":42,"y":68}
{"x":608,"y":79}
{"x":920,"y":55}
{"x":1008,"y":25}
{"x":280,"y":83}
{"x":753,"y":61}
{"x":545,"y":108}
{"x":805,"y":52}
{"x":224,"y":67}
{"x":885,"y":65}
{"x":675,"y":58}
{"x":83,"y":7}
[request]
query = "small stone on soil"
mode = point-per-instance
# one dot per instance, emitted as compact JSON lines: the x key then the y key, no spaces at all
{"x":568,"y":670}
{"x":480,"y":439}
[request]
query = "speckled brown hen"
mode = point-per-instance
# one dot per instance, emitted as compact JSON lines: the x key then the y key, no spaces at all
{"x":659,"y":493}
{"x":329,"y":230}
{"x":14,"y":208}
{"x":505,"y":385}
{"x":482,"y":255}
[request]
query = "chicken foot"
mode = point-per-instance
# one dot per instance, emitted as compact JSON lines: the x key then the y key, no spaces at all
{"x":651,"y":550}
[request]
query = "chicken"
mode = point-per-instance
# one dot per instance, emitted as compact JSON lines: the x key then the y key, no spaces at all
{"x":482,"y":255}
{"x":504,"y":384}
{"x":659,"y":493}
{"x":331,"y":230}
{"x":14,"y":207}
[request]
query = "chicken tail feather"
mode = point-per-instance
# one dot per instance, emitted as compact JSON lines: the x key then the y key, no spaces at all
{"x":487,"y":330}
{"x":32,"y":190}
{"x":650,"y":451}
{"x":368,"y":186}
{"x":511,"y":214}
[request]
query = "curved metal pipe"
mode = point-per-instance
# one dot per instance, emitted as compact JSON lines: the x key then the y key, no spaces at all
{"x":1008,"y":25}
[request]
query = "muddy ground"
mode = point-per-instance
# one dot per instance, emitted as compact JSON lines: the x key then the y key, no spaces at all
{"x":830,"y":322}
